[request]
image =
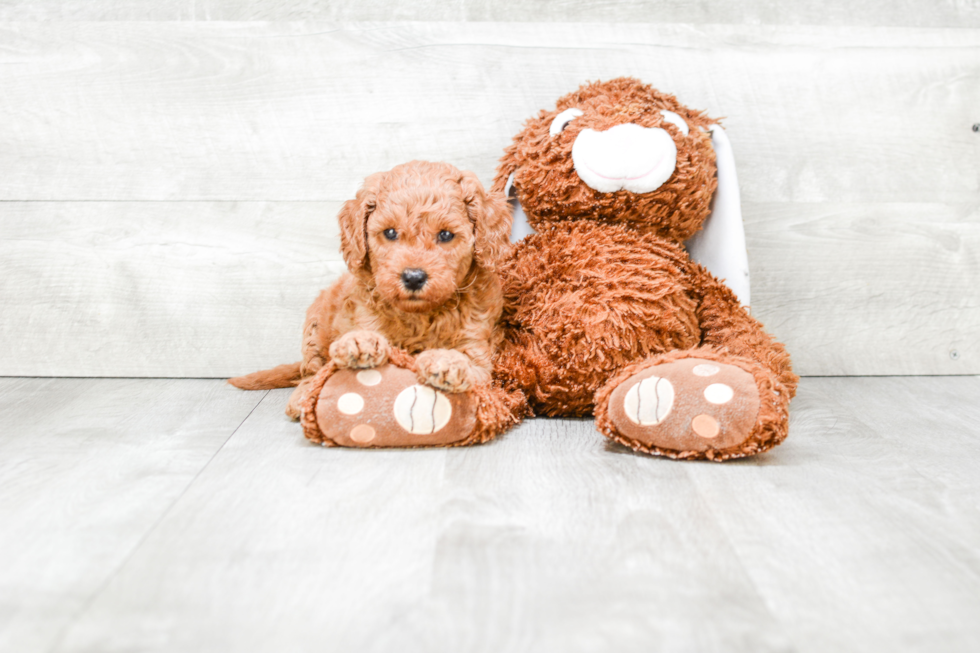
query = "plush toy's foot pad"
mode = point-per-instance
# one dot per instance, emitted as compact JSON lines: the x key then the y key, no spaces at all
{"x":387,"y":407}
{"x":688,"y":406}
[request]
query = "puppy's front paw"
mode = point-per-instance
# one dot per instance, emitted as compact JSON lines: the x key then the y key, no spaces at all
{"x":359,"y":349}
{"x":446,"y":369}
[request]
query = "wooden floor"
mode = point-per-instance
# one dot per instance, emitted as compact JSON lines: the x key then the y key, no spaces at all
{"x":184,"y":515}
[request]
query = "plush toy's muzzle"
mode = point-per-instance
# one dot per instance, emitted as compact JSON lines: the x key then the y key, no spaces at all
{"x":626,"y":157}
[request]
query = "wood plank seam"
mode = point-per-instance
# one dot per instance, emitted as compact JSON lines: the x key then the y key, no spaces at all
{"x":122,"y":564}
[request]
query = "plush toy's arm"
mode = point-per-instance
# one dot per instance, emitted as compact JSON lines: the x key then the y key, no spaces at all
{"x":728,"y":328}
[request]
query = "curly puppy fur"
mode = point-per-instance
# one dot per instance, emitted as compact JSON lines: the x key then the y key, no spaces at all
{"x":399,"y":221}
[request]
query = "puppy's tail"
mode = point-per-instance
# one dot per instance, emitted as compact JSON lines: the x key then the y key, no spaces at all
{"x":282,"y":376}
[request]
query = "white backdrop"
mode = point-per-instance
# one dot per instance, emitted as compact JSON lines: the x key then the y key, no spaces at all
{"x":169,"y":188}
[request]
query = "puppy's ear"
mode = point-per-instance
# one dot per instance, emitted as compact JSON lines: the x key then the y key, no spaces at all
{"x":491,"y":217}
{"x":353,"y":218}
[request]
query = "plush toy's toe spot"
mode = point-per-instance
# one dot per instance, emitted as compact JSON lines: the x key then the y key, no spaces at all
{"x":362,"y":433}
{"x":718,"y":393}
{"x":706,"y":426}
{"x":649,"y":401}
{"x":421,"y":410}
{"x":705,"y":369}
{"x":350,"y":403}
{"x":369,"y":377}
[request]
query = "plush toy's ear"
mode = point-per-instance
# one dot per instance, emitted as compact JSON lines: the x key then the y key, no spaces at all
{"x":491,"y":218}
{"x":720,"y":245}
{"x":521,"y":227}
{"x":503,"y":182}
{"x":353,"y":218}
{"x":505,"y":170}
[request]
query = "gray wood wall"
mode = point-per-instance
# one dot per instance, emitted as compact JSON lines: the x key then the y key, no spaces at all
{"x":170,"y":170}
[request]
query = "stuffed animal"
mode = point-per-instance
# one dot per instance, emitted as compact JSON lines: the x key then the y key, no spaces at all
{"x":605,"y":313}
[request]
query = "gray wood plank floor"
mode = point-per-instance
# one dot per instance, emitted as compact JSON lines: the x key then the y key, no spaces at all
{"x":183,"y":515}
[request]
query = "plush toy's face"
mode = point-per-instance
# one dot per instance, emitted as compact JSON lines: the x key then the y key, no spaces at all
{"x":616,"y":151}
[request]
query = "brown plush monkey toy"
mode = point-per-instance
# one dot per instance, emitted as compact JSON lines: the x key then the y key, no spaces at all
{"x":604,"y":311}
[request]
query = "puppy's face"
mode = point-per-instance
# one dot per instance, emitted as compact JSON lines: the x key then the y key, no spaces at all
{"x":420,"y":247}
{"x":416,"y":232}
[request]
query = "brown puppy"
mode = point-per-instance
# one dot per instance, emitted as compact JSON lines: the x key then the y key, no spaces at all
{"x":420,"y":241}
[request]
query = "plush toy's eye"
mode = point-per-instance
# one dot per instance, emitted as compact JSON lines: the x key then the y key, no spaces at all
{"x":562,"y":119}
{"x":390,"y":234}
{"x":445,"y":236}
{"x":676,"y":120}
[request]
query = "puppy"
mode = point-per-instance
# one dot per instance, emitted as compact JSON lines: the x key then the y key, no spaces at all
{"x":420,"y":242}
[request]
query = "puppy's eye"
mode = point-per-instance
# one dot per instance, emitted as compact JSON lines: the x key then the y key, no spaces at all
{"x":561,"y":121}
{"x":445,"y":236}
{"x":390,"y":234}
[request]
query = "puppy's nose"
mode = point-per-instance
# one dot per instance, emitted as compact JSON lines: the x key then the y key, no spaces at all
{"x":414,"y":278}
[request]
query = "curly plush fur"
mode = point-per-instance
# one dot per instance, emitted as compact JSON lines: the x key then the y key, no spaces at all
{"x":604,"y":290}
{"x":394,"y":224}
{"x":552,"y":193}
